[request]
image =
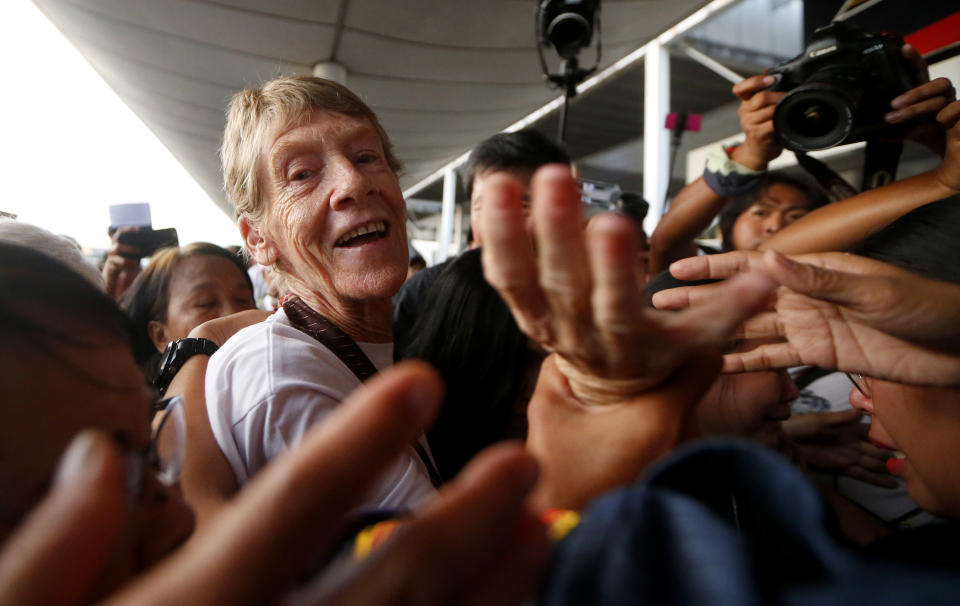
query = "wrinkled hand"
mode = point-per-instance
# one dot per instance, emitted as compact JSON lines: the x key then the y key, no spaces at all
{"x":578,"y":295}
{"x":837,"y":311}
{"x":122,"y":265}
{"x":922,"y":103}
{"x":948,"y":173}
{"x":756,"y":119}
{"x":219,"y":330}
{"x":837,"y":442}
{"x":476,"y":541}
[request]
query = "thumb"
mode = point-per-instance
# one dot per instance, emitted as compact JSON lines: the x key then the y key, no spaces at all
{"x":57,"y":555}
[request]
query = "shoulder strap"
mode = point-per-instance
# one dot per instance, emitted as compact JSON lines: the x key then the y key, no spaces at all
{"x":308,"y":321}
{"x":327,"y":333}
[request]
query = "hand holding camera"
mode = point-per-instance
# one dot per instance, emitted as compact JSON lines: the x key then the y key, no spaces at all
{"x":756,"y":119}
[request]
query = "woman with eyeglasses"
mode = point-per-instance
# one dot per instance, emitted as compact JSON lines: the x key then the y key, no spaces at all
{"x":67,"y":366}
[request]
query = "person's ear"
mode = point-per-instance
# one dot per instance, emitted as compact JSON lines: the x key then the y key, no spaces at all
{"x":259,"y":246}
{"x":157,"y":331}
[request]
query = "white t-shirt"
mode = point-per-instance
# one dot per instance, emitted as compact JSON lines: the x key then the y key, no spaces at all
{"x":271,"y":382}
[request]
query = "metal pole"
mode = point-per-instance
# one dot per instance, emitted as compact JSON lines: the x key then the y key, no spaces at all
{"x":656,"y":138}
{"x":447,"y":212}
{"x":712,"y":64}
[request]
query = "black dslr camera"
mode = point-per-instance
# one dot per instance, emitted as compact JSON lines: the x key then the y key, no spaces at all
{"x":840,"y":87}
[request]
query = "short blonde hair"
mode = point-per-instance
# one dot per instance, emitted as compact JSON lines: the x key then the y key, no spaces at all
{"x":254,"y":113}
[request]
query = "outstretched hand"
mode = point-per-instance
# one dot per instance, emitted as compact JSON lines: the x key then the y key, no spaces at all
{"x":578,"y":295}
{"x":838,"y":311}
{"x":476,"y":543}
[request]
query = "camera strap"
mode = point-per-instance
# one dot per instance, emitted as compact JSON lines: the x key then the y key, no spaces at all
{"x":328,"y":334}
{"x":837,"y":187}
{"x":879,"y":168}
{"x":880,"y":163}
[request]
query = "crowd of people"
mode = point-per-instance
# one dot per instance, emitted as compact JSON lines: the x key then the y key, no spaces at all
{"x":567,"y":412}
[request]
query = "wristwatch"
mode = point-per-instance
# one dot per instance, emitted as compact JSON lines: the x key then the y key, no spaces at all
{"x":176,"y":355}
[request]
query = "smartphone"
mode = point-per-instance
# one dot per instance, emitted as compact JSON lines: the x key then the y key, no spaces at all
{"x":150,"y":241}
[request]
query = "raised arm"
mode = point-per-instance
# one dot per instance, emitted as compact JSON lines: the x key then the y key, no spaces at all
{"x":617,"y":391}
{"x":695,"y":206}
{"x":845,"y":224}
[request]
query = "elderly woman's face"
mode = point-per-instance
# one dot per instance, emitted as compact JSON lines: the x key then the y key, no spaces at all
{"x":335,"y":215}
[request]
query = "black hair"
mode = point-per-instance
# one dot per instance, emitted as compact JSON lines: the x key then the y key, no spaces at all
{"x":44,"y":301}
{"x":925,"y":241}
{"x":736,"y":207}
{"x":147,"y":298}
{"x":469,"y":335}
{"x":523,"y":149}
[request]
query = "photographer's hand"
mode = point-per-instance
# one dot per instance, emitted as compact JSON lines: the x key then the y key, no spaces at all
{"x":948,"y":173}
{"x":122,"y":265}
{"x":922,"y":103}
{"x":756,"y":119}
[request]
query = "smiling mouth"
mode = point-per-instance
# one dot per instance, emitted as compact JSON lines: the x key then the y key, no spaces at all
{"x":369,"y":232}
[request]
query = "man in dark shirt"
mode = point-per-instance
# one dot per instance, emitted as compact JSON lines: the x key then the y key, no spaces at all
{"x":518,"y":153}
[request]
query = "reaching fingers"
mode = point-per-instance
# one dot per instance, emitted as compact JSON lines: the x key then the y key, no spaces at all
{"x":564,"y":270}
{"x":455,"y":550}
{"x":682,"y":297}
{"x":707,"y":267}
{"x":765,"y":357}
{"x":766,"y":325}
{"x":57,"y":556}
{"x":820,"y":283}
{"x":750,"y":86}
{"x":738,"y":299}
{"x":508,"y":260}
{"x":617,"y":296}
{"x":295,"y":506}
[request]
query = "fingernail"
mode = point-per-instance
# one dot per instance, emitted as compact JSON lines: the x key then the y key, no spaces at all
{"x":892,"y":117}
{"x":898,"y":102}
{"x":80,"y":460}
{"x":768,"y":80}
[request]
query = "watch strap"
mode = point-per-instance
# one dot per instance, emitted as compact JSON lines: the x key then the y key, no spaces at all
{"x":177,"y":354}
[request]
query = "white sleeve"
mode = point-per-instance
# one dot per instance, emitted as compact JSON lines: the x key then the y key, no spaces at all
{"x":277,"y":424}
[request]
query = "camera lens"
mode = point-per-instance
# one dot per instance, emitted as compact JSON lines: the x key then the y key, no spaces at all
{"x":814,"y":120}
{"x":569,"y":32}
{"x":814,"y":116}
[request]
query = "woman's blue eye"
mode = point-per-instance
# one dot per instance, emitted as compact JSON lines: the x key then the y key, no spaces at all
{"x":301,"y":175}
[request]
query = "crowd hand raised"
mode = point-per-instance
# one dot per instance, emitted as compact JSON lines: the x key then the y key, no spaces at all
{"x":922,"y":103}
{"x":837,"y":442}
{"x":838,"y":311}
{"x":295,"y":508}
{"x":122,"y":264}
{"x":476,"y":541}
{"x":578,"y":294}
{"x":756,"y":119}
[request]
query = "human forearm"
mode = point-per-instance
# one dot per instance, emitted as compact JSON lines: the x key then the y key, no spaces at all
{"x":845,"y":224}
{"x":691,"y":212}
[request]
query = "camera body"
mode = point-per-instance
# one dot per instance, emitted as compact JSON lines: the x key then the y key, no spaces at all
{"x":839,"y":88}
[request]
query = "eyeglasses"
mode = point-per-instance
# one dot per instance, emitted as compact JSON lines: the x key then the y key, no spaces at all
{"x":860,"y":383}
{"x":164,"y":455}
